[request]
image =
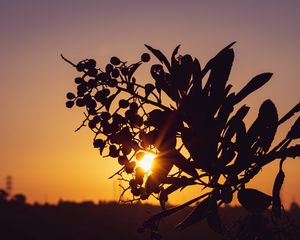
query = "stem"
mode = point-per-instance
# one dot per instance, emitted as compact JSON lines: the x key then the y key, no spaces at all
{"x":144,"y":99}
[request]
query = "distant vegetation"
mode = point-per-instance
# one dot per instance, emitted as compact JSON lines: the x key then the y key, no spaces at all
{"x":109,"y":221}
{"x":193,"y":122}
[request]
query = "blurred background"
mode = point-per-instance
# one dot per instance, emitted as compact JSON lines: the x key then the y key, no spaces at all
{"x":38,"y":146}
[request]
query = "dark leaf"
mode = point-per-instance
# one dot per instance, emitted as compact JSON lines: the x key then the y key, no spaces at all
{"x":234,"y":123}
{"x":254,"y":200}
{"x":130,"y":87}
{"x":181,"y":74}
{"x":290,"y":114}
{"x":182,"y":163}
{"x":262,"y":131}
{"x":198,"y":147}
{"x":241,"y":113}
{"x":173,"y":59}
{"x":210,"y":62}
{"x":161,"y":57}
{"x":276,"y":205}
{"x":132,"y":70}
{"x":214,"y":220}
{"x":157,"y":217}
{"x":163,"y":81}
{"x":254,"y":84}
{"x":197,"y":77}
{"x":293,"y":152}
{"x":240,"y":133}
{"x":161,"y":166}
{"x":109,"y":100}
{"x":294,"y":133}
{"x":198,"y":214}
{"x":227,"y":156}
{"x":220,"y":67}
{"x":267,"y":124}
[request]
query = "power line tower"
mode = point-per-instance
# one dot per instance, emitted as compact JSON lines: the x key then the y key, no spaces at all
{"x":9,"y":185}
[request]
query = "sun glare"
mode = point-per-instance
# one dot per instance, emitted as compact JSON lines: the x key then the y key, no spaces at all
{"x":146,"y":162}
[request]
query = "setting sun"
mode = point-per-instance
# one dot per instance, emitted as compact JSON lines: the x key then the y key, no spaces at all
{"x":146,"y":162}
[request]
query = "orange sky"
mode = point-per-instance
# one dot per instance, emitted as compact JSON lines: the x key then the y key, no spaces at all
{"x":38,"y":146}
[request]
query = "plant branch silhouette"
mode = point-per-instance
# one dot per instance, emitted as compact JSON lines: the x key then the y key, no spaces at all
{"x":202,"y":141}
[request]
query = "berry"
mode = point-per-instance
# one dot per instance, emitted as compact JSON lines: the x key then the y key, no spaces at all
{"x":78,"y":80}
{"x":134,"y":106}
{"x":80,"y":67}
{"x":69,"y":104}
{"x":115,"y":73}
{"x":91,"y":63}
{"x":145,"y":57}
{"x":98,"y":143}
{"x":70,"y":95}
{"x":109,"y":68}
{"x":123,"y":103}
{"x":122,"y":160}
{"x":115,"y":61}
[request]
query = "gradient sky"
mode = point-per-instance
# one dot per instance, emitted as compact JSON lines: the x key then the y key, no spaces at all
{"x":38,"y":145}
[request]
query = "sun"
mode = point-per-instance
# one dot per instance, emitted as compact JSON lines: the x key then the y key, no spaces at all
{"x":146,"y":162}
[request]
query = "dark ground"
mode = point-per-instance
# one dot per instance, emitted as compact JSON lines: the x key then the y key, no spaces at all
{"x":88,"y":221}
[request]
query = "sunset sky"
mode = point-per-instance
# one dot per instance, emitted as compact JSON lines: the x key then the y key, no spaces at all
{"x":38,"y":145}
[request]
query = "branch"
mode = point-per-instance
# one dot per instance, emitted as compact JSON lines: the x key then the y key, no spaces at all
{"x":68,"y":61}
{"x":144,"y":99}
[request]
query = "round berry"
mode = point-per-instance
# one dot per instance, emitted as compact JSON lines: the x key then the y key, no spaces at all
{"x":145,"y":57}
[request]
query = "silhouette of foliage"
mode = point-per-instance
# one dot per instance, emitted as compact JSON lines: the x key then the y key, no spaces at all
{"x":196,"y":129}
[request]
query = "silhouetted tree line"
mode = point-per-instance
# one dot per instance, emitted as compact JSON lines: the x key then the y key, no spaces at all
{"x":190,"y":118}
{"x":18,"y":198}
{"x":110,"y":220}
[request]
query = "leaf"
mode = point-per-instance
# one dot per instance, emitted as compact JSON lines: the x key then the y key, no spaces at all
{"x":290,"y":114}
{"x":160,"y":56}
{"x":264,"y":128}
{"x":173,"y":59}
{"x":220,"y":68}
{"x":276,"y":205}
{"x":269,"y":123}
{"x":162,"y":165}
{"x":294,"y":133}
{"x":234,"y":123}
{"x":198,"y":214}
{"x":148,"y":89}
{"x":162,"y":81}
{"x":157,"y":217}
{"x":214,"y":220}
{"x":293,"y":152}
{"x":181,"y":74}
{"x":197,"y":76}
{"x":210,"y":62}
{"x":182,"y":163}
{"x":132,"y":70}
{"x":130,"y":87}
{"x":108,"y":101}
{"x":254,"y":200}
{"x":254,"y":84}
